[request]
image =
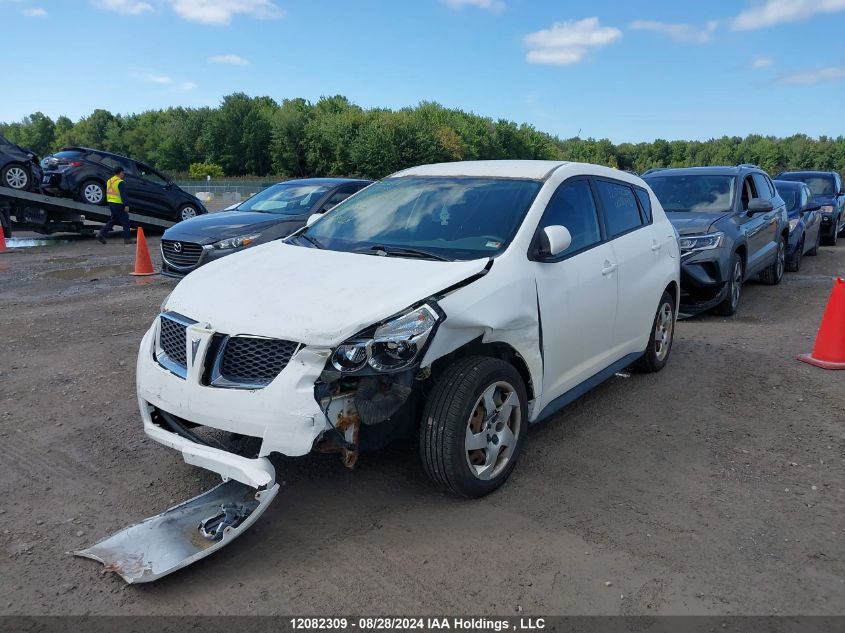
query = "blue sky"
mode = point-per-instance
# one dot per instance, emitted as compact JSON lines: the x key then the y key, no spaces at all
{"x":626,"y":70}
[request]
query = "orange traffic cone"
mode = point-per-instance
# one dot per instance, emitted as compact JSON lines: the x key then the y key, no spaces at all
{"x":2,"y":240}
{"x":143,"y":265}
{"x":829,"y":350}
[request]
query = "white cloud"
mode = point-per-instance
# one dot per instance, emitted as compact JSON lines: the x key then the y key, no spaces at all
{"x":490,"y":5}
{"x":126,"y":7}
{"x":187,"y":86}
{"x":761,"y":62}
{"x":221,"y":12}
{"x":35,"y":12}
{"x":235,"y":60}
{"x":773,"y":12}
{"x":567,"y":42}
{"x":154,"y":78}
{"x":810,"y":77}
{"x":686,"y":33}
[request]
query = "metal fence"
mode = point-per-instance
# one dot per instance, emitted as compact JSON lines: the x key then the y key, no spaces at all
{"x":218,"y":194}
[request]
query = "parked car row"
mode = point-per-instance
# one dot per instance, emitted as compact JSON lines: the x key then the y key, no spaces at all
{"x":81,"y":173}
{"x":736,"y":223}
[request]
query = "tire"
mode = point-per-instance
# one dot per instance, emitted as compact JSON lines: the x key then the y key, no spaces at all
{"x":92,"y":192}
{"x":455,"y":411}
{"x":660,"y":340}
{"x":773,"y":274}
{"x":815,"y":250}
{"x":15,"y":176}
{"x":186,"y":212}
{"x":831,"y":241}
{"x":729,"y":306}
{"x":793,"y":262}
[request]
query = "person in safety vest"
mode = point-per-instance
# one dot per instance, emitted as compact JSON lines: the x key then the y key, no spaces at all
{"x":116,"y":196}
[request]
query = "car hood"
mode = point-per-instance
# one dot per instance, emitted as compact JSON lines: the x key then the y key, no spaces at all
{"x":693,"y":222}
{"x":308,"y":295}
{"x":205,"y":229}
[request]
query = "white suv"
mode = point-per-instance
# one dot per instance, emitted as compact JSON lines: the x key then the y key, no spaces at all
{"x":461,"y":301}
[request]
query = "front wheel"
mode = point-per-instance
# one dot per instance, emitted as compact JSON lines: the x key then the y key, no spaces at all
{"x":187,"y":212}
{"x":773,"y":274}
{"x":834,"y":236}
{"x":730,"y":304}
{"x":793,"y":262}
{"x":660,"y":341}
{"x":473,"y":426}
{"x":16,"y":177}
{"x":92,"y":192}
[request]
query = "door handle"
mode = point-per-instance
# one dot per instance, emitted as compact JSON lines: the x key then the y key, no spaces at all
{"x":608,"y":268}
{"x":655,"y":246}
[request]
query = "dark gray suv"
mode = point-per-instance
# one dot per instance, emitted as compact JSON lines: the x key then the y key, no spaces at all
{"x":732,"y":225}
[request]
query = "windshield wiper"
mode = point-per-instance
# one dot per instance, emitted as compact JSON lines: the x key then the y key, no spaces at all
{"x":310,"y":240}
{"x":408,"y":252}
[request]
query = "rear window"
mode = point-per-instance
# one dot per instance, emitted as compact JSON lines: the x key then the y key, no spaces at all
{"x":67,"y":154}
{"x":620,"y":208}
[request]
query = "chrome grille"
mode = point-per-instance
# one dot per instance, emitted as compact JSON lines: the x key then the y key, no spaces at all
{"x":172,"y":342}
{"x":181,"y":254}
{"x":251,"y":362}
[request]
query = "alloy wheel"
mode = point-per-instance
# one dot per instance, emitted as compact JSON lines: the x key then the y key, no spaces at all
{"x":17,"y":178}
{"x":664,"y":328}
{"x":736,"y":284}
{"x":492,"y":430}
{"x":187,"y":213}
{"x":93,"y":193}
{"x":781,"y":259}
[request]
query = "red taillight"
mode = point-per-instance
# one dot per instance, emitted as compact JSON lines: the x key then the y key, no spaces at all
{"x":75,"y":163}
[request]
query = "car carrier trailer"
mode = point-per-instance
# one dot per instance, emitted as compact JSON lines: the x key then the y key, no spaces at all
{"x":50,"y":214}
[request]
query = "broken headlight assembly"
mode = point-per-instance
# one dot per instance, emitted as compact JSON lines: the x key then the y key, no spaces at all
{"x":393,"y":346}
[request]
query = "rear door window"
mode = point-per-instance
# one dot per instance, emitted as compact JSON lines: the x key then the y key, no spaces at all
{"x":645,"y":203}
{"x":621,"y":211}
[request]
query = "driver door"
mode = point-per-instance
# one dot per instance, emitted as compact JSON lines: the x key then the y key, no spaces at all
{"x":577,"y":293}
{"x":148,"y":192}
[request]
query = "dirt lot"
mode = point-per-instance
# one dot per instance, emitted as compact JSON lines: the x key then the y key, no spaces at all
{"x":714,"y":487}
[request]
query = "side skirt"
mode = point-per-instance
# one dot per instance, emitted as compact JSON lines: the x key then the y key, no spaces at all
{"x":576,"y":392}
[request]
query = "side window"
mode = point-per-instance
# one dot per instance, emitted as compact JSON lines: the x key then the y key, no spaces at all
{"x":762,"y":186}
{"x":645,"y":203}
{"x":621,"y":213}
{"x":748,"y":192}
{"x":149,"y":175}
{"x":338,"y":196}
{"x":572,"y":206}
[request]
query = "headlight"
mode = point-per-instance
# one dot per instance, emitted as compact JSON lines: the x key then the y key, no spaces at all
{"x":792,"y":224}
{"x":690,"y":243}
{"x":393,"y":346}
{"x":235,"y":242}
{"x":827,"y":208}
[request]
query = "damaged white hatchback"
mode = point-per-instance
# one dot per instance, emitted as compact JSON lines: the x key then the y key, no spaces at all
{"x":461,"y":302}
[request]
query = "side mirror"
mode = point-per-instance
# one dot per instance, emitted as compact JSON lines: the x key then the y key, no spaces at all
{"x":813,"y":206}
{"x":312,"y":218}
{"x":758,"y":205}
{"x":554,"y":240}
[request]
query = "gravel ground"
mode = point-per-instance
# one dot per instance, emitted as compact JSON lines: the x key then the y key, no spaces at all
{"x":714,"y":487}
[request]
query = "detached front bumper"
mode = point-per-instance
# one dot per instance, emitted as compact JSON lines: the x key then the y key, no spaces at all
{"x":704,"y":281}
{"x":284,"y":415}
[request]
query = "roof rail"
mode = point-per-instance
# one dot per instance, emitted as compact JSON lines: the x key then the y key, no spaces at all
{"x":749,"y":165}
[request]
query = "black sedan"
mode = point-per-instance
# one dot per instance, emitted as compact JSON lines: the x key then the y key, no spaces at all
{"x":19,"y":168}
{"x":271,"y":214}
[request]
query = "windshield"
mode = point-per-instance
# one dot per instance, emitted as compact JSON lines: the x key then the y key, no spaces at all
{"x":819,"y":185}
{"x":697,"y":192}
{"x":285,"y":198}
{"x":436,"y":217}
{"x":791,"y":196}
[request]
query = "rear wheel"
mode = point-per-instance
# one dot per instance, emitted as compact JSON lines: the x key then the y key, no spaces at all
{"x":662,"y":335}
{"x":92,"y":192}
{"x":187,"y":212}
{"x":793,"y":262}
{"x":773,"y":274}
{"x":473,"y":426}
{"x":730,"y":304}
{"x":16,"y":177}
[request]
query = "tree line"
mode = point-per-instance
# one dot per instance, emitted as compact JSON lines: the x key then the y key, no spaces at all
{"x":334,"y":137}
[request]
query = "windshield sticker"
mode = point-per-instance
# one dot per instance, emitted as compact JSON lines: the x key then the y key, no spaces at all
{"x":444,"y":216}
{"x":492,"y":244}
